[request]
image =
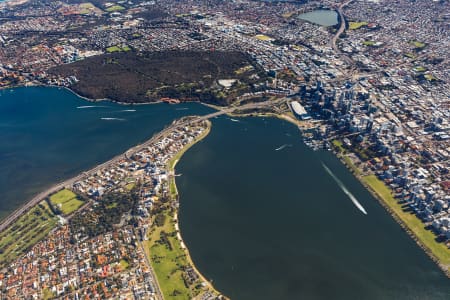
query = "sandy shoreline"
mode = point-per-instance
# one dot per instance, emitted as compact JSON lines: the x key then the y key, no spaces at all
{"x":175,"y":218}
{"x":293,"y":121}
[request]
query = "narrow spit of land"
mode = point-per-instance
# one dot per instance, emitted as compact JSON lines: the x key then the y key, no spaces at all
{"x":159,"y":236}
{"x":164,"y":248}
{"x":171,"y":258}
{"x":140,"y":196}
{"x":41,"y":196}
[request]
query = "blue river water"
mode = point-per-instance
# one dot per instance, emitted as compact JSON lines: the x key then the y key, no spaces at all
{"x":261,"y":223}
{"x":49,"y":134}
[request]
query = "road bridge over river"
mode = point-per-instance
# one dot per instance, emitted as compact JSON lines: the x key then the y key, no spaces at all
{"x":69,"y":182}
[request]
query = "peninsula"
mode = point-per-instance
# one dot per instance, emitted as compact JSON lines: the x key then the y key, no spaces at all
{"x":126,"y":204}
{"x":373,"y":88}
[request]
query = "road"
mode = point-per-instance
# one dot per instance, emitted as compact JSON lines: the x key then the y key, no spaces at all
{"x":155,"y":281}
{"x":340,"y":31}
{"x":68,"y":183}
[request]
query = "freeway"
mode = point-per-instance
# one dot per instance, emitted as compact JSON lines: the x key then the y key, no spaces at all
{"x":69,"y":182}
{"x":340,"y":31}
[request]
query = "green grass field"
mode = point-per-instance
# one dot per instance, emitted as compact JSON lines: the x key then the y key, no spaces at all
{"x":243,"y":69}
{"x":86,"y":8}
{"x":47,"y":294}
{"x":350,"y":164}
{"x":167,"y":263}
{"x":368,"y":43}
{"x":356,"y":25}
{"x":429,"y":77}
{"x":25,"y":232}
{"x":113,"y":49}
{"x":420,"y":69}
{"x":130,"y":186}
{"x":124,"y":264}
{"x":418,"y":45}
{"x":115,"y":8}
{"x":426,"y":237}
{"x":263,"y":37}
{"x":339,"y":146}
{"x":66,"y":200}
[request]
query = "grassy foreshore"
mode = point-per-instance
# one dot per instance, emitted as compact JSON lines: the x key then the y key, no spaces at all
{"x":438,"y":252}
{"x":171,"y":258}
{"x":415,"y":228}
{"x":410,"y":223}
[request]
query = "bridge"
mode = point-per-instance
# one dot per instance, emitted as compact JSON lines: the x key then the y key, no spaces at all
{"x":69,"y":182}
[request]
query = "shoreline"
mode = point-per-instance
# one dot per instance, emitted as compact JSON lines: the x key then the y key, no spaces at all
{"x":445,"y":269}
{"x":208,"y":287}
{"x":176,"y":196}
{"x":360,"y":179}
{"x":91,"y":100}
{"x":285,"y":117}
{"x":404,"y":225}
{"x":406,"y":228}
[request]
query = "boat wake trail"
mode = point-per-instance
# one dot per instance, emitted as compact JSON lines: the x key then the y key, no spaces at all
{"x":345,"y":190}
{"x":113,"y":119}
{"x":182,"y":108}
{"x":128,"y":110}
{"x":90,"y":106}
{"x":283,"y":146}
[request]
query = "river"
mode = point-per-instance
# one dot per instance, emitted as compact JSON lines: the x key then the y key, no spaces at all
{"x":48,"y":135}
{"x":261,"y":223}
{"x":268,"y":224}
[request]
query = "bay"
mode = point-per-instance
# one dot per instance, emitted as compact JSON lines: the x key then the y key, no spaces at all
{"x":268,"y":224}
{"x":261,"y":223}
{"x":48,"y":135}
